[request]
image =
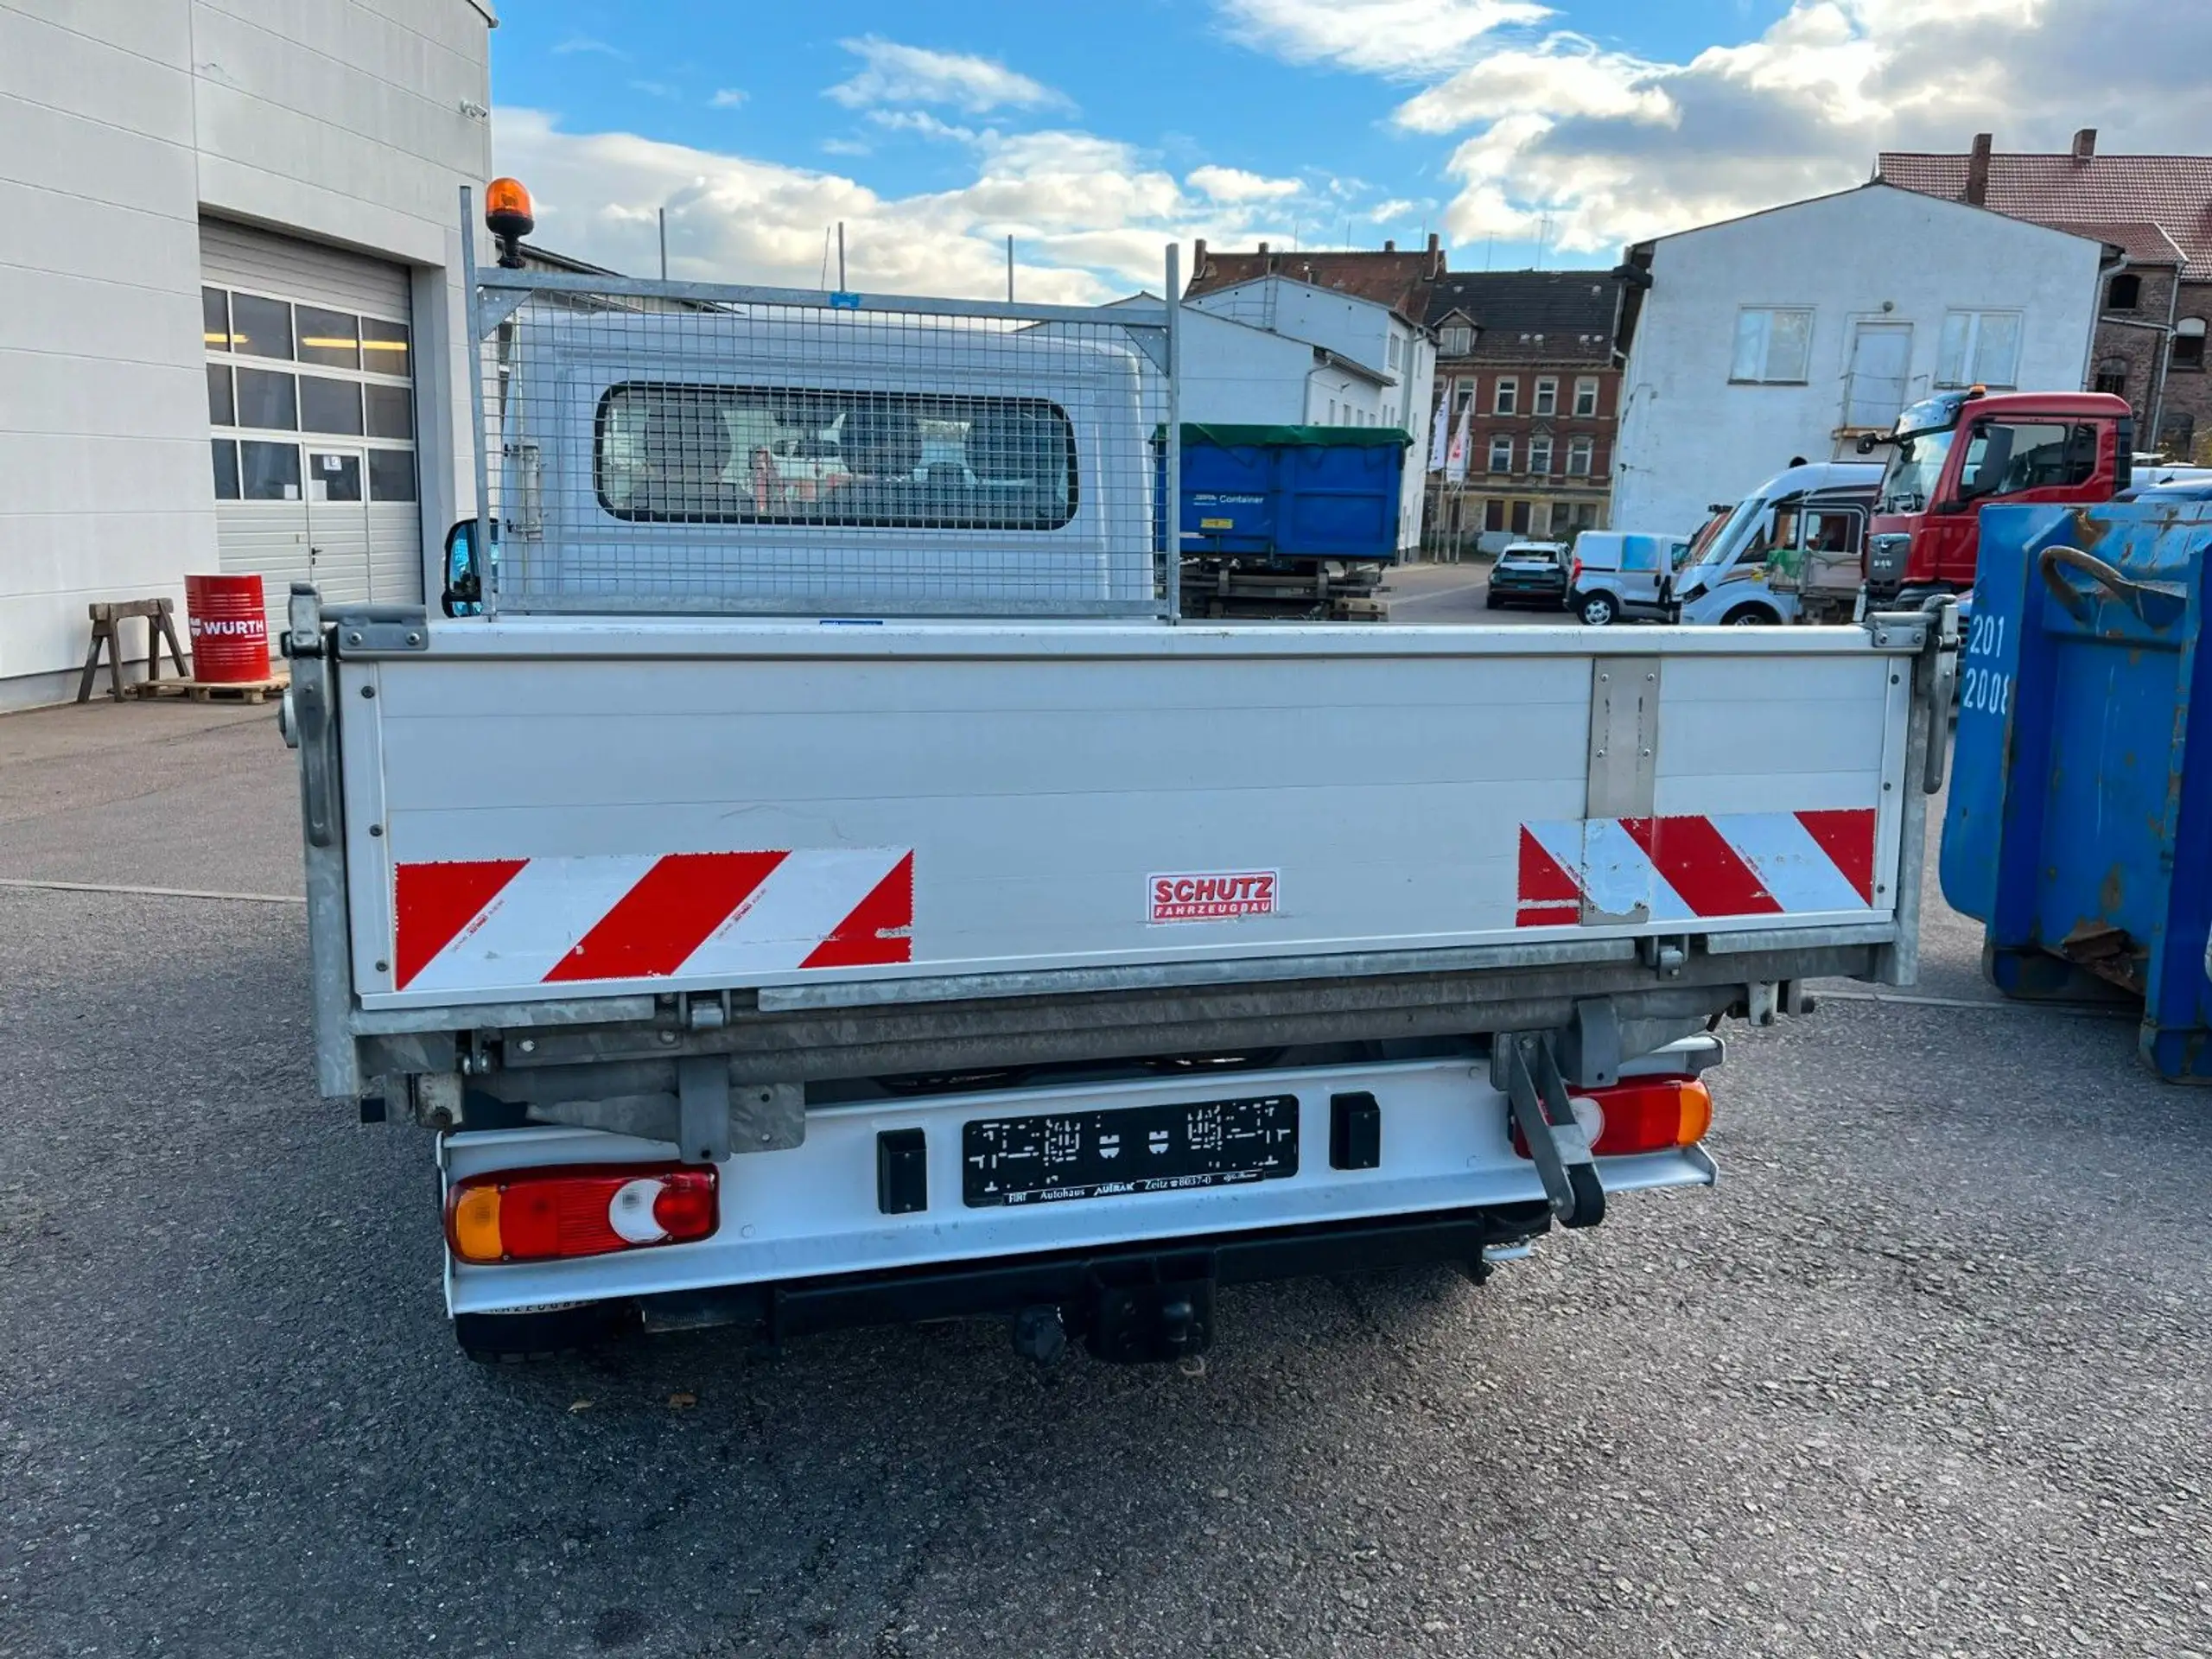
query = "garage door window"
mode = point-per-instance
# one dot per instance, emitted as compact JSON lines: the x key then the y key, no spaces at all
{"x":357,"y":387}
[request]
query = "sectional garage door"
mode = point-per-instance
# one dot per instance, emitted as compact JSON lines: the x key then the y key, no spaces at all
{"x":311,"y":415}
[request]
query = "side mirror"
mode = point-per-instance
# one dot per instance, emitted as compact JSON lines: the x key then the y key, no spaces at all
{"x":464,"y":594}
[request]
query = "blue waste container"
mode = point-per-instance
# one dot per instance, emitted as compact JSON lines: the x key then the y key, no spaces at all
{"x":1286,"y":494}
{"x":2079,"y":829}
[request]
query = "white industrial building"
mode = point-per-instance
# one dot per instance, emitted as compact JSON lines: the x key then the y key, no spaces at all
{"x":1276,"y":349}
{"x":1796,"y":332}
{"x":230,"y":301}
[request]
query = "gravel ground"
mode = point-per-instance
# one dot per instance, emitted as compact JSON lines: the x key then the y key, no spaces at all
{"x":1927,"y":1374}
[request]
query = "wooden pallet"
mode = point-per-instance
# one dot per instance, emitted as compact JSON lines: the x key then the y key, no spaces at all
{"x":211,"y":690}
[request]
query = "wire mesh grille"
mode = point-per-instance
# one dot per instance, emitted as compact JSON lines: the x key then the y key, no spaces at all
{"x":675,"y":448}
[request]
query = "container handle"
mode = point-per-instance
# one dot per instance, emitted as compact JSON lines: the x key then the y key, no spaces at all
{"x":2140,"y":597}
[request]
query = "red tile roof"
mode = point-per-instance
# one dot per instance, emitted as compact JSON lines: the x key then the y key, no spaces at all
{"x":2150,"y":205}
{"x":1400,"y":281}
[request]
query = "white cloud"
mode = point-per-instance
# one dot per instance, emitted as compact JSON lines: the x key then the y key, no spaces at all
{"x":893,"y":73}
{"x":1408,"y":38}
{"x":726,"y":97}
{"x":575,"y":43}
{"x":922,"y":124}
{"x":1091,"y":216}
{"x":1611,"y":149}
{"x":1234,"y":184}
{"x":1396,"y":209}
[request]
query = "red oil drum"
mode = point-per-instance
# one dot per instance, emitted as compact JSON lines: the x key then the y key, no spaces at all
{"x":230,"y":628}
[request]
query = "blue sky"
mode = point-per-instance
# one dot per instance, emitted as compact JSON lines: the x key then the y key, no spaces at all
{"x":1096,"y":132}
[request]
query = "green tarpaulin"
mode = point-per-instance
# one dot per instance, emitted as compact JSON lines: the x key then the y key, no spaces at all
{"x":1317,"y":437}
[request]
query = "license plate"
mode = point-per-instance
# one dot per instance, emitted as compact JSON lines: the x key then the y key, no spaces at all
{"x":1137,"y":1149}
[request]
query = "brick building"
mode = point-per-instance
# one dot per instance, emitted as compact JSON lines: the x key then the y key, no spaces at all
{"x":1528,"y":358}
{"x":2156,"y":211}
{"x":1400,"y":281}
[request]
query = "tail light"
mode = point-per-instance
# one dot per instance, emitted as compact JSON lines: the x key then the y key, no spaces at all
{"x":1574,"y":571}
{"x":1642,"y":1114}
{"x":541,"y":1215}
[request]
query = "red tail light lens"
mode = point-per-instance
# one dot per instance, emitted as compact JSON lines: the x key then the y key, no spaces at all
{"x":542,"y":1214}
{"x":1642,"y":1114}
{"x":1574,"y":571}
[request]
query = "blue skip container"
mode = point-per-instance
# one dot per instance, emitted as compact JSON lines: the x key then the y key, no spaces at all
{"x":2079,"y":829}
{"x":1282,"y":495}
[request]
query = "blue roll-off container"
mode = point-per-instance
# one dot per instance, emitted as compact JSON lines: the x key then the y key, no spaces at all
{"x":2080,"y":825}
{"x":1285,"y":493}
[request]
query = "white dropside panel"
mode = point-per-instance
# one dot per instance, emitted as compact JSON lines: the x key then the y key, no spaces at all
{"x":872,"y":802}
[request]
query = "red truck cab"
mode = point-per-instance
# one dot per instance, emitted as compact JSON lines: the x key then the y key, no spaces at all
{"x":1960,"y":451}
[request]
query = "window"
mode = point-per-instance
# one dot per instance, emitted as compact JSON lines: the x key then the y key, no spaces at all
{"x":1773,"y":346}
{"x":226,"y":468}
{"x":391,"y":411}
{"x":1396,"y":350}
{"x":2124,"y":293}
{"x":1520,"y":518}
{"x":215,"y":318}
{"x":1493,"y":514}
{"x":383,"y":346}
{"x":391,"y":474}
{"x":1506,"y":399}
{"x":1580,"y":455}
{"x":1540,"y":455}
{"x":1463,"y":393}
{"x":1501,"y":454}
{"x":265,"y":399}
{"x":2005,"y":457}
{"x":1979,"y":348}
{"x":1586,"y":396}
{"x":2112,"y":377}
{"x":2177,"y":436}
{"x":330,"y":340}
{"x":2188,"y":345}
{"x":269,"y":471}
{"x":222,"y":408}
{"x":1459,"y":340}
{"x":260,"y":328}
{"x":723,"y":454}
{"x":1547,"y":396}
{"x":329,"y":405}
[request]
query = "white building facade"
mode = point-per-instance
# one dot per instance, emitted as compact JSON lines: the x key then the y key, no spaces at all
{"x":231,"y":338}
{"x":1257,"y":351}
{"x":1792,"y":334}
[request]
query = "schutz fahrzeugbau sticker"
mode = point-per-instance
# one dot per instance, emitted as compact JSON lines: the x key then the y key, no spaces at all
{"x":1214,"y":896}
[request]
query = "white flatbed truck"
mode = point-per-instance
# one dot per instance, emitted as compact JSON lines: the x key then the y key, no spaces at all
{"x":848,"y":892}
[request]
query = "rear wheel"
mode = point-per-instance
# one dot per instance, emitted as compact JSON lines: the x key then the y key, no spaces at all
{"x":1598,"y":610}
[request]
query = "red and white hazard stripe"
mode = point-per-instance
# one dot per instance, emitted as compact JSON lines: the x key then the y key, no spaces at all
{"x":1696,"y":866}
{"x":479,"y":924}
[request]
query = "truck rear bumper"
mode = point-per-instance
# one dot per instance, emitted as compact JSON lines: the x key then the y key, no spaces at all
{"x":804,"y":1219}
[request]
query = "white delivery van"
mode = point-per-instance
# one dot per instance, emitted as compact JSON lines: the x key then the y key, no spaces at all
{"x":1618,"y":574}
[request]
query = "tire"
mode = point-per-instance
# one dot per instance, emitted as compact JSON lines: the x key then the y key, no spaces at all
{"x":1597,"y":610}
{"x":1750,"y":616}
{"x":1491,"y":602}
{"x":547,"y":1333}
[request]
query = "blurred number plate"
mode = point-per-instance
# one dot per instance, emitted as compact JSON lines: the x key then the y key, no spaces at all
{"x":1138,"y":1149}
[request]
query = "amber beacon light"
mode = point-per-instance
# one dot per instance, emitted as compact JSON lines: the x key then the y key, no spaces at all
{"x":507,"y":215}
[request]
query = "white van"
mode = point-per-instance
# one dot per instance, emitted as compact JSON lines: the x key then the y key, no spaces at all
{"x":1796,"y":536}
{"x":1618,"y":574}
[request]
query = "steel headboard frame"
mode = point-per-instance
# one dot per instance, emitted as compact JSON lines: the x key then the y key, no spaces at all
{"x":698,"y":447}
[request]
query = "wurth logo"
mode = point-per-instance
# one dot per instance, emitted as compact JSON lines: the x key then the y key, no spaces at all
{"x":1216,"y":898}
{"x":229,"y":627}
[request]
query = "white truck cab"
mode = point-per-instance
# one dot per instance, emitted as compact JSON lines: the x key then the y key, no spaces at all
{"x":1802,"y":529}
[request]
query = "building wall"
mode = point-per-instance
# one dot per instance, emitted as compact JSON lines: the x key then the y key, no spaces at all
{"x":1234,"y":374}
{"x":1483,"y":509}
{"x":2169,"y":390}
{"x":121,"y":124}
{"x":1690,"y":436}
